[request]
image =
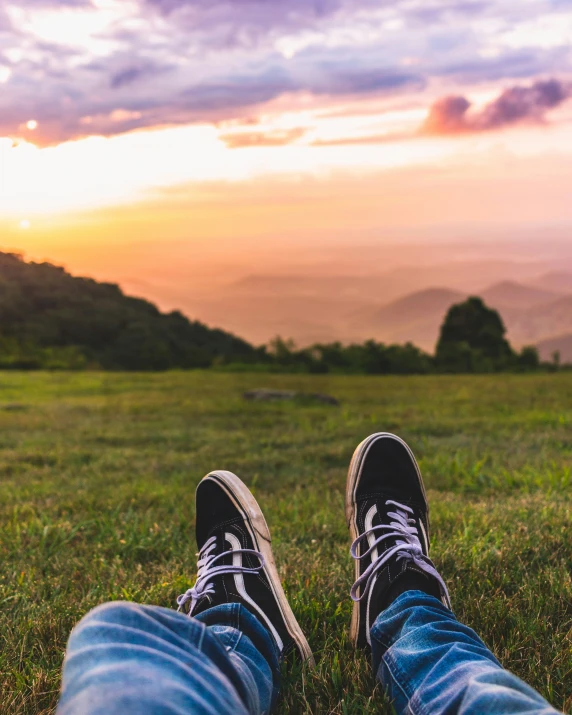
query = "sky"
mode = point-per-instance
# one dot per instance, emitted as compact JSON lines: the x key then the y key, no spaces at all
{"x":222,"y":137}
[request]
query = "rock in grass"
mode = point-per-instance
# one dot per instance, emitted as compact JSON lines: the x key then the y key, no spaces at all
{"x":267,"y":395}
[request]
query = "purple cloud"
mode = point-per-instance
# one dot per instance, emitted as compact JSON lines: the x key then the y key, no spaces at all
{"x":133,"y":73}
{"x":451,"y":115}
{"x":179,"y":61}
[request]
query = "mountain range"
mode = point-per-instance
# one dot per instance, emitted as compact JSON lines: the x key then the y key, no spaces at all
{"x":536,"y":310}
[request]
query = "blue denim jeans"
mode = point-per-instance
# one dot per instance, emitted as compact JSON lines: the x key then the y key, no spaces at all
{"x":128,"y":659}
{"x":431,"y":663}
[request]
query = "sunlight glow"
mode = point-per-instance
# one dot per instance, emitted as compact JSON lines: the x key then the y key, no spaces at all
{"x":126,"y":168}
{"x":98,"y":172}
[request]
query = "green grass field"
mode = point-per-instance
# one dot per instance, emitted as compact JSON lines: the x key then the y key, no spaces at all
{"x":97,"y":480}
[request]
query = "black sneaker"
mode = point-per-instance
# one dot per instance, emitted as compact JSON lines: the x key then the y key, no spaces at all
{"x":236,"y":563}
{"x":388,"y":518}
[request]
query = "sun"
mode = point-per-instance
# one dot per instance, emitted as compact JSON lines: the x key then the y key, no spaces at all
{"x":32,"y":125}
{"x":25,"y":224}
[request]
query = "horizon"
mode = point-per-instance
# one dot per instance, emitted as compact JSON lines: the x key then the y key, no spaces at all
{"x":407,"y":304}
{"x":178,"y":149}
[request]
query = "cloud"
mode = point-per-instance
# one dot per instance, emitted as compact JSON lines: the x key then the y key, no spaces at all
{"x":512,"y":64}
{"x":260,"y":139}
{"x":126,"y":76}
{"x":5,"y":23}
{"x":432,"y":14}
{"x":249,"y":24}
{"x":453,"y":115}
{"x":388,"y":138}
{"x":55,"y":4}
{"x":144,"y":95}
{"x":135,"y":72}
{"x":152,"y":63}
{"x":256,"y":12}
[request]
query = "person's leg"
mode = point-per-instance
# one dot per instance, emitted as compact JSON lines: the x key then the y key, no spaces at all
{"x":430,"y":663}
{"x":222,"y":656}
{"x":426,"y":659}
{"x":124,"y":658}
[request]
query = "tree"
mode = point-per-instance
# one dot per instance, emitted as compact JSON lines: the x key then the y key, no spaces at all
{"x":473,"y":339}
{"x":528,"y":358}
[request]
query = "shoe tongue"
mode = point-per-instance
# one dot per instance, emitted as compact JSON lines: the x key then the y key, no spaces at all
{"x":382,"y":517}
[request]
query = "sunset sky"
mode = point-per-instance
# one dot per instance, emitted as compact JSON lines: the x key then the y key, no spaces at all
{"x":241,"y":132}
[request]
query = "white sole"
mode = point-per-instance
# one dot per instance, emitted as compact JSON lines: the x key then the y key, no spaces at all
{"x":260,"y":533}
{"x":353,"y":472}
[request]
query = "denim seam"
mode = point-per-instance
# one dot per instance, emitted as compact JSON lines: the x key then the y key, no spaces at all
{"x":236,"y":610}
{"x":397,"y":675}
{"x":202,"y":636}
{"x":377,"y":639}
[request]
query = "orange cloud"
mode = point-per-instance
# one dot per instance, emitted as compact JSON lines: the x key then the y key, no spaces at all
{"x":253,"y":139}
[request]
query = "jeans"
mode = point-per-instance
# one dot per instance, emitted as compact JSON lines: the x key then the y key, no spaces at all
{"x":128,"y":659}
{"x":431,"y":663}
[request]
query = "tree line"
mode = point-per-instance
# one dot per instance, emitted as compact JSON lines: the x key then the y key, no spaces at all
{"x":472,"y":340}
{"x":52,"y":320}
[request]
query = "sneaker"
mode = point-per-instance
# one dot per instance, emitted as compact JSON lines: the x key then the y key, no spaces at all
{"x":236,"y":563}
{"x":388,"y":518}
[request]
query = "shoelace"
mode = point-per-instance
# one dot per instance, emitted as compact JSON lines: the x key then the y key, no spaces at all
{"x":404,"y":529}
{"x":207,"y":571}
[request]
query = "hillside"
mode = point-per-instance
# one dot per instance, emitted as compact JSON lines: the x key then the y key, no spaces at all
{"x":416,"y":317}
{"x":561,"y":344}
{"x":400,"y":304}
{"x":307,"y":318}
{"x":542,"y":321}
{"x":555,"y":281}
{"x":515,"y":295}
{"x":531,"y":314}
{"x":49,"y":318}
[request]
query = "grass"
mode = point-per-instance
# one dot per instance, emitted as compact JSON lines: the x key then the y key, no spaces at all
{"x":97,"y":479}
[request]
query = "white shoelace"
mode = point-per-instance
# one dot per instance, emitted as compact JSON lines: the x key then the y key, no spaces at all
{"x":403,"y":528}
{"x":207,"y":570}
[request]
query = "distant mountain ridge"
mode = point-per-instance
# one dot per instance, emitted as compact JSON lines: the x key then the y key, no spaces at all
{"x":516,"y":295}
{"x":555,"y":281}
{"x":561,"y":344}
{"x":354,"y":308}
{"x":530,"y":314}
{"x":419,"y":314}
{"x":47,"y":317}
{"x":543,"y":321}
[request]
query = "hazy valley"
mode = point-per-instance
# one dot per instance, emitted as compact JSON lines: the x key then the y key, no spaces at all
{"x":393,"y":292}
{"x":349,"y":308}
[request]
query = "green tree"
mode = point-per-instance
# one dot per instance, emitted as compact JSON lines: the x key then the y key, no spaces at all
{"x":528,"y":358}
{"x":473,"y":339}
